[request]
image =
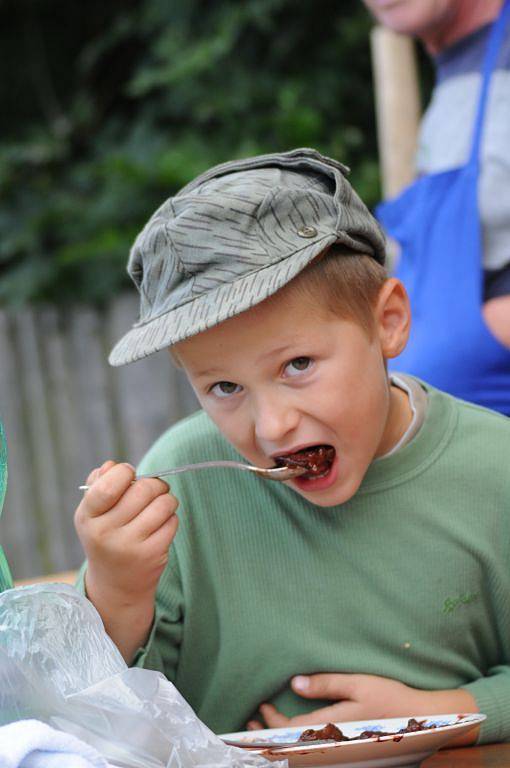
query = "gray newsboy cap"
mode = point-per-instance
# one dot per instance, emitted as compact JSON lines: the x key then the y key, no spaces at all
{"x":234,"y":236}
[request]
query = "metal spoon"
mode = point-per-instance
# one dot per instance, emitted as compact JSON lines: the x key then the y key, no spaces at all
{"x":273,"y":473}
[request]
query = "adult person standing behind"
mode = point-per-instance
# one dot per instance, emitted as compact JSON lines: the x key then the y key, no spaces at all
{"x":453,"y":222}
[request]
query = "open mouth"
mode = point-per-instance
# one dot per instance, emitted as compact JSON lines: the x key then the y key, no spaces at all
{"x":316,"y":459}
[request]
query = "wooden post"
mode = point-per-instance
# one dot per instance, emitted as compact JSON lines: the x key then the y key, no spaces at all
{"x":398,"y":109}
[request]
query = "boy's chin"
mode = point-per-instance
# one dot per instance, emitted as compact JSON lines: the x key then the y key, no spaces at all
{"x":341,"y":490}
{"x":319,"y":500}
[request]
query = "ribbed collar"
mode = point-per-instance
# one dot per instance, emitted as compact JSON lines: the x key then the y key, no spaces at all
{"x":425,"y":447}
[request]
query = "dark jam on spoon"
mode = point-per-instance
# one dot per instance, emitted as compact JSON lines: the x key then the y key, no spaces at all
{"x":317,"y":460}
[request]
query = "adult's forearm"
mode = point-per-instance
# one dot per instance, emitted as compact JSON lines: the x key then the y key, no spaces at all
{"x":496,"y":313}
{"x":127,"y":621}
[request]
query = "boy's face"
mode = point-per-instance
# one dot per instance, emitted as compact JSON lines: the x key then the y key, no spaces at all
{"x":284,"y":376}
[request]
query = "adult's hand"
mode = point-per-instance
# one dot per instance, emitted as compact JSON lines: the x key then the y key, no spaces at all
{"x":496,"y":313}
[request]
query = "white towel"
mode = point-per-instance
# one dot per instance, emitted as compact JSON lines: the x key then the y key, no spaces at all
{"x":32,"y":744}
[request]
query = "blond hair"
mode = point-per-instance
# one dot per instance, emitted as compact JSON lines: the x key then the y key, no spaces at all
{"x":343,"y":282}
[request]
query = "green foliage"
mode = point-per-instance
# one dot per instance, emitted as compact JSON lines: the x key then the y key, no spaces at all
{"x":133,"y":99}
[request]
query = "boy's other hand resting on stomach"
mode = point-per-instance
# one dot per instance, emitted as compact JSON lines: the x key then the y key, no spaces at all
{"x":367,"y":697}
{"x":126,"y":530}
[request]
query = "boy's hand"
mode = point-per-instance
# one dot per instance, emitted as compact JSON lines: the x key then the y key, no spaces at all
{"x":367,"y":697}
{"x":126,"y":530}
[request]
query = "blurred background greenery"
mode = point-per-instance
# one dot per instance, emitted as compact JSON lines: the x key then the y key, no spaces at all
{"x":110,"y":107}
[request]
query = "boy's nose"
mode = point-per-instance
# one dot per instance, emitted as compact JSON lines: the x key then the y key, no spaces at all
{"x":274,"y":419}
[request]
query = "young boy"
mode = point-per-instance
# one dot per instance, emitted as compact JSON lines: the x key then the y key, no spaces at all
{"x":385,"y":565}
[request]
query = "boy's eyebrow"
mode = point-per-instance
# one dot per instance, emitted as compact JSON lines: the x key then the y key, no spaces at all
{"x":206,"y":372}
{"x":276,"y":351}
{"x":271,"y":353}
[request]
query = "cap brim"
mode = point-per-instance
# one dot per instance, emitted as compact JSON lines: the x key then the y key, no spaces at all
{"x":213,"y":307}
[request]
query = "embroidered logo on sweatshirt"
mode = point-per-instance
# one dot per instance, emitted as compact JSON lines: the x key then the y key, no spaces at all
{"x":451,"y":603}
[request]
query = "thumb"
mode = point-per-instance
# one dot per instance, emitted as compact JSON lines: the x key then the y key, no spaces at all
{"x":323,"y":686}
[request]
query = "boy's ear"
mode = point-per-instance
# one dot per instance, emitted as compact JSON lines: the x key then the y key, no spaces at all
{"x":393,"y":317}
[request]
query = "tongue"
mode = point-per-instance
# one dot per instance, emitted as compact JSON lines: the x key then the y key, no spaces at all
{"x":316,"y":460}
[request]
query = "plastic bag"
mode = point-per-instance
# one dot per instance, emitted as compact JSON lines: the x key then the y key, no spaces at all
{"x":5,"y":574}
{"x":58,"y":665}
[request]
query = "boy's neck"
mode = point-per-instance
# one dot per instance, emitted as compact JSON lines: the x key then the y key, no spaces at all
{"x":400,"y":415}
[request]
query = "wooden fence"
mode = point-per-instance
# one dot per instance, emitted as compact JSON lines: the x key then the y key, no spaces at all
{"x":65,"y":411}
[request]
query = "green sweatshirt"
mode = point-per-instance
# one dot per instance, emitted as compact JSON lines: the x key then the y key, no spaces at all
{"x":409,"y":580}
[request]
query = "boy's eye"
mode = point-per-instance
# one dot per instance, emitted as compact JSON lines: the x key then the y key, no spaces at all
{"x":298,"y":365}
{"x":225,"y":388}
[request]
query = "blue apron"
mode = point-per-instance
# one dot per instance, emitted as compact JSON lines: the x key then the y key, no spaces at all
{"x":437,"y":223}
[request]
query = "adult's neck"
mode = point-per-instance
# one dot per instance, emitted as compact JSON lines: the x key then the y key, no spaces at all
{"x":464,"y":18}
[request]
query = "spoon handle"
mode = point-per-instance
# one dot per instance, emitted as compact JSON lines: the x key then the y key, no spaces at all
{"x":271,"y":473}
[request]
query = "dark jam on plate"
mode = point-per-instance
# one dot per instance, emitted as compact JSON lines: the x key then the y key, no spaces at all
{"x":332,"y":733}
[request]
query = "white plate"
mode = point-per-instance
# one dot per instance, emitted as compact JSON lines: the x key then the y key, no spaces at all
{"x":381,"y":752}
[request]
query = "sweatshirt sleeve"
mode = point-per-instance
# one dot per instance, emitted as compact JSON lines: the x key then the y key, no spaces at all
{"x":492,"y":695}
{"x":161,"y":651}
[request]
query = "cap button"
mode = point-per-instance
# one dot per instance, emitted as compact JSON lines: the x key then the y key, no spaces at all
{"x":307,"y":232}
